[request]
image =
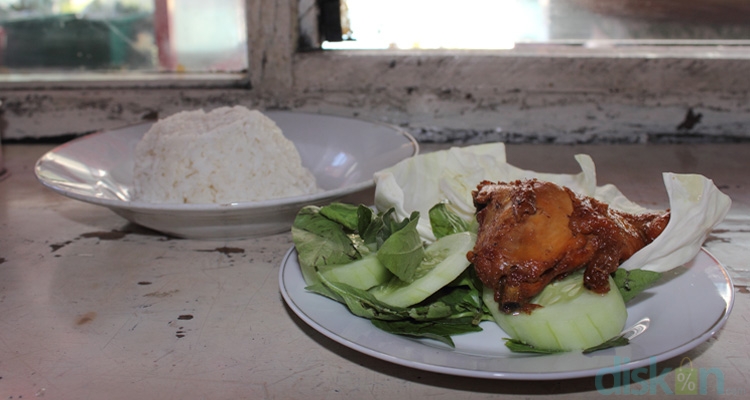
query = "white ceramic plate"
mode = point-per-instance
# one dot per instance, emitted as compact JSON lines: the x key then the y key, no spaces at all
{"x":342,"y":153}
{"x":679,"y":314}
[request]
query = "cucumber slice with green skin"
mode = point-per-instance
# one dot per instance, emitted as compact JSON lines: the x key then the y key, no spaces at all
{"x":571,"y":317}
{"x":444,"y":260}
{"x":361,"y":274}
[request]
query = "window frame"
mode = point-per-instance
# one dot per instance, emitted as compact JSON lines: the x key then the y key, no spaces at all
{"x":281,"y":74}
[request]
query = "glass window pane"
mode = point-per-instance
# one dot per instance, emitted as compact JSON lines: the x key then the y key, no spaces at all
{"x":504,"y":24}
{"x":141,"y":35}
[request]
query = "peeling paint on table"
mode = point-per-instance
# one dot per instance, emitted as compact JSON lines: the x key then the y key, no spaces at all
{"x":92,"y":306}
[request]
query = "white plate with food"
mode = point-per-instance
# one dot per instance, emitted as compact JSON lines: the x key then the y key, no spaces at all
{"x":342,"y":154}
{"x":542,"y":241}
{"x":688,"y":308}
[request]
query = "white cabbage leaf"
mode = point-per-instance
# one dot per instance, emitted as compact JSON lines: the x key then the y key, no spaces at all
{"x":697,"y":206}
{"x":449,"y":176}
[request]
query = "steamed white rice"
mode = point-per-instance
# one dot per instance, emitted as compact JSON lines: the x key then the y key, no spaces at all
{"x":231,"y":154}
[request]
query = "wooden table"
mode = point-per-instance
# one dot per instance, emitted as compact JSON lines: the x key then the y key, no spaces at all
{"x":94,"y":307}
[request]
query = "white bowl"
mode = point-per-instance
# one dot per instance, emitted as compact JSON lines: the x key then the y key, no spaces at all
{"x":342,"y":153}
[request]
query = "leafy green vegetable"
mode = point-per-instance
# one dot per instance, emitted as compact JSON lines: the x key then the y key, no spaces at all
{"x":373,"y":230}
{"x":436,"y":330}
{"x":457,"y":303}
{"x":614,"y":342}
{"x":360,"y":302}
{"x":344,"y":214}
{"x":447,"y":303}
{"x":365,"y":216}
{"x":403,"y":251}
{"x":632,"y":282}
{"x":329,"y":235}
{"x":518,"y":346}
{"x":444,"y":260}
{"x":370,"y":228}
{"x":456,"y":309}
{"x":464,"y":295}
{"x":445,"y":222}
{"x":320,"y":241}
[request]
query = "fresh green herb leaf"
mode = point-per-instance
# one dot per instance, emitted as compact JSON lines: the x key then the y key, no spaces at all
{"x":614,"y":342}
{"x":361,"y":302}
{"x":320,"y":241}
{"x":463,"y":302}
{"x":387,"y":224}
{"x":429,"y":311}
{"x":376,"y":229}
{"x":395,"y":225}
{"x":341,"y":246}
{"x":370,"y":228}
{"x":455,"y":303}
{"x":518,"y":346}
{"x":365,"y":216}
{"x":403,"y":251}
{"x":323,"y":290}
{"x":439,"y":318}
{"x":344,"y":214}
{"x":445,"y":222}
{"x":431,"y":330}
{"x":362,"y":248}
{"x":632,"y":282}
{"x":471,"y":282}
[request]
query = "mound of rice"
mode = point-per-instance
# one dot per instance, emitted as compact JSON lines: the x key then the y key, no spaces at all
{"x":231,"y":154}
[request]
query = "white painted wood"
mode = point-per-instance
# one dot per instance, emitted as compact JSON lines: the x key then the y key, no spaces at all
{"x":531,"y":94}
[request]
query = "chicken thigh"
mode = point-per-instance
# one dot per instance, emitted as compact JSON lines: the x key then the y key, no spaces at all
{"x":532,"y":232}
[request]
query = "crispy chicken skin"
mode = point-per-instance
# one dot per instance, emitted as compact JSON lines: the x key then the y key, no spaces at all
{"x":532,"y":232}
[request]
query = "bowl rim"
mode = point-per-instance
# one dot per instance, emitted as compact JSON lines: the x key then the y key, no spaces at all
{"x":142,"y":206}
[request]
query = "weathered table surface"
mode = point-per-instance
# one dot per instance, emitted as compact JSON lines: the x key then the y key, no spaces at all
{"x":94,"y":307}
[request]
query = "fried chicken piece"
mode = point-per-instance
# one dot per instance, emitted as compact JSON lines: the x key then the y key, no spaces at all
{"x":532,"y":232}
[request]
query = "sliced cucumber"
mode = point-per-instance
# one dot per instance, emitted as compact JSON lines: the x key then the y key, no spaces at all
{"x":361,"y":274}
{"x":571,"y":317}
{"x":444,"y":260}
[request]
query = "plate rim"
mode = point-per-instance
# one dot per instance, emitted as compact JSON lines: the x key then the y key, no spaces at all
{"x":519,"y":376}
